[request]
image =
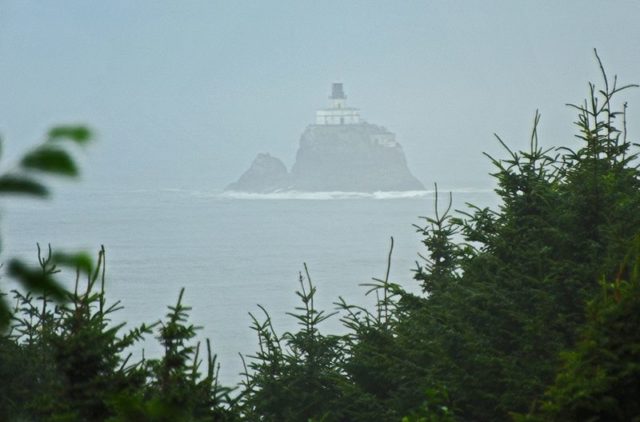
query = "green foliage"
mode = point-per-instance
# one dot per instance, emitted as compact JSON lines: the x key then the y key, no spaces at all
{"x":296,"y":376}
{"x":78,"y":134}
{"x":50,"y":158}
{"x":434,"y":409}
{"x":600,"y":377}
{"x":440,"y":268}
{"x":494,"y":335}
{"x":505,"y":293}
{"x":11,"y":184}
{"x":65,"y":361}
{"x":506,"y":288}
{"x":62,"y":360}
{"x":37,"y":281}
{"x":82,"y":353}
{"x":175,"y":389}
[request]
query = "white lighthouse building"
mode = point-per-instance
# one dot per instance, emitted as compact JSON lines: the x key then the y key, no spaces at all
{"x":337,"y":113}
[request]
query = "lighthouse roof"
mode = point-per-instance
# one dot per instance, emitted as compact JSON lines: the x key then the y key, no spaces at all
{"x":337,"y":92}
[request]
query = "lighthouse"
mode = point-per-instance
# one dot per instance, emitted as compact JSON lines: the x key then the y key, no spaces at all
{"x":337,"y":113}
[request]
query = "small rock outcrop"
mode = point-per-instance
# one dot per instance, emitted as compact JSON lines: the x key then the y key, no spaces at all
{"x":266,"y":174}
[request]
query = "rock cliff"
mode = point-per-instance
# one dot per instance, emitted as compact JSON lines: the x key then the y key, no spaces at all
{"x":354,"y":158}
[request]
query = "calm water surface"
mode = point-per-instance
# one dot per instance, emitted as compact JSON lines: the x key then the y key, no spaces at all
{"x":230,"y":254}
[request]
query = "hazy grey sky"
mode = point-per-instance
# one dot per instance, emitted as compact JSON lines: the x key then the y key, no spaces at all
{"x":184,"y":94}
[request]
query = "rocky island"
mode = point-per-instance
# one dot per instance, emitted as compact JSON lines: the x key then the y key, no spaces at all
{"x":340,"y":152}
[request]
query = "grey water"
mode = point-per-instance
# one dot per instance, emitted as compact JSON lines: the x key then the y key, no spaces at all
{"x":229,"y":253}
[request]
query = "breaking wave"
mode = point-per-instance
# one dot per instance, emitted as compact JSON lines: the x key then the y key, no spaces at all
{"x":299,"y":195}
{"x":324,"y":196}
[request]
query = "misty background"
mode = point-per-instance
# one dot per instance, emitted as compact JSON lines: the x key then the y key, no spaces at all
{"x":183,"y":95}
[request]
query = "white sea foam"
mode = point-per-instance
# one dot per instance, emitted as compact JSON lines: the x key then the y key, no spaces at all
{"x":323,"y":196}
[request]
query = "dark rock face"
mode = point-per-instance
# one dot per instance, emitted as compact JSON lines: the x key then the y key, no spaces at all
{"x":350,"y":158}
{"x":354,"y":158}
{"x":266,"y":174}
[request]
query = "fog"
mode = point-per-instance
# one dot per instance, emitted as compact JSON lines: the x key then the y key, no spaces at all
{"x":184,"y":94}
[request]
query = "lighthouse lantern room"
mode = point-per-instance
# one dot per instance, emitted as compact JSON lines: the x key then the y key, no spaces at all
{"x":337,"y":113}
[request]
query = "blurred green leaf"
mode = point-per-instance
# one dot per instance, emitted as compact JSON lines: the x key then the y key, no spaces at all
{"x":80,"y":260}
{"x":50,"y":159}
{"x":13,"y":184}
{"x":78,"y":134}
{"x":34,"y":280}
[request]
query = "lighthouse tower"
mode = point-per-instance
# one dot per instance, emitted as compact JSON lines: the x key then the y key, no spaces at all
{"x":337,"y":113}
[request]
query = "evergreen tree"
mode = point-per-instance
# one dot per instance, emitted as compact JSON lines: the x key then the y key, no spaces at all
{"x":507,"y":298}
{"x":600,"y":376}
{"x":296,"y":376}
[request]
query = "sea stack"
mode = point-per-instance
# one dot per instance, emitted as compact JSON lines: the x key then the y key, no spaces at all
{"x":340,"y":152}
{"x":266,"y":174}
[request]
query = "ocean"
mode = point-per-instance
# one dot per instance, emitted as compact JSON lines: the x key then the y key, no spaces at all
{"x":229,"y":252}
